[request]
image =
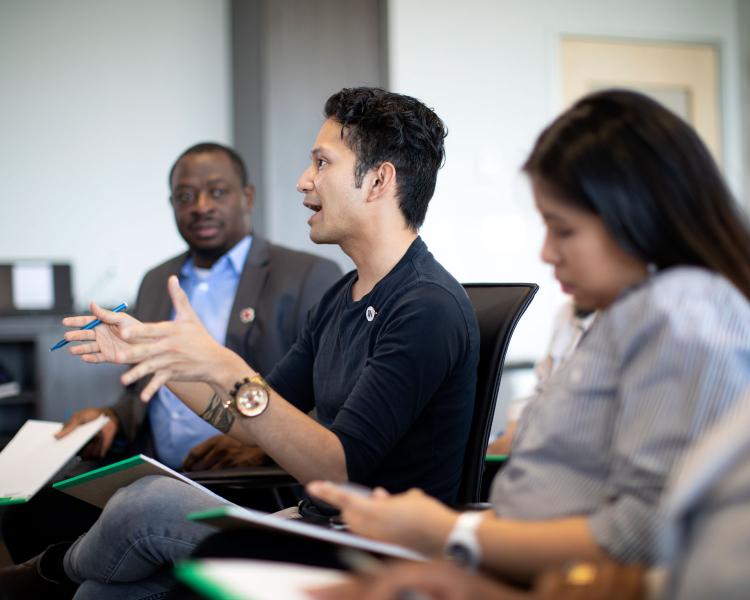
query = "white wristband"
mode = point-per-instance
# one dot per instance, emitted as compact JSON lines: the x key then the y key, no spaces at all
{"x":462,"y":545}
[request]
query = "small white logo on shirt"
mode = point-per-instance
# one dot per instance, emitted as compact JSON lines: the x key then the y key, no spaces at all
{"x":247,"y":315}
{"x":370,"y":313}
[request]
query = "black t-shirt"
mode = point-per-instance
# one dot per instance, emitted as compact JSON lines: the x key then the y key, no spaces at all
{"x":393,"y":375}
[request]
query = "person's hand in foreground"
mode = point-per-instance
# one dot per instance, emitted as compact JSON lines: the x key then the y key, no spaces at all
{"x":221,"y":452}
{"x":412,"y":519}
{"x":102,"y":441}
{"x":600,"y":580}
{"x":179,"y":350}
{"x":439,"y":580}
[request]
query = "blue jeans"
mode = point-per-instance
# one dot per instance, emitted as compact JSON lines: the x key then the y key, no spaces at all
{"x":129,"y":551}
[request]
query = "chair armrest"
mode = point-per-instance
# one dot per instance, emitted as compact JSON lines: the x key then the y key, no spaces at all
{"x":474,"y":506}
{"x":246,"y":477}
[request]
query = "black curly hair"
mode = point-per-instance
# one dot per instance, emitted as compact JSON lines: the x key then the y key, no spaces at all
{"x":380,"y":126}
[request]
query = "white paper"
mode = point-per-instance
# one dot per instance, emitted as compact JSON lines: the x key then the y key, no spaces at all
{"x":33,"y":456}
{"x":33,"y":286}
{"x":262,"y":519}
{"x":261,"y":580}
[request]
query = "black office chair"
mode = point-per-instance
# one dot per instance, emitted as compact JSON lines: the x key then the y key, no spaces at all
{"x":499,"y":307}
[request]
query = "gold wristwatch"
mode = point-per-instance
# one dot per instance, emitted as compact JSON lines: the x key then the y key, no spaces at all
{"x":249,"y":397}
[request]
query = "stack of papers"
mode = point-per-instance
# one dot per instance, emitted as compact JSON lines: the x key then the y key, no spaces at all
{"x":34,"y":456}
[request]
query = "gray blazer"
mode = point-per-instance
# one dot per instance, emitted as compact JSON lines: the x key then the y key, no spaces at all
{"x":279,"y":284}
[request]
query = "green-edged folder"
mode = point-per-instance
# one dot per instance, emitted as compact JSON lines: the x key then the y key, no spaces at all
{"x":493,"y":458}
{"x":197,"y":576}
{"x":8,"y":500}
{"x":98,"y":486}
{"x":222,"y":579}
{"x":236,"y":517}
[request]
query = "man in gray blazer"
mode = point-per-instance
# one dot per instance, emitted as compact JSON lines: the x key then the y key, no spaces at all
{"x":254,"y":297}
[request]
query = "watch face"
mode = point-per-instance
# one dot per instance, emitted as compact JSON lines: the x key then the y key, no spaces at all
{"x":252,"y":399}
{"x":460,"y":554}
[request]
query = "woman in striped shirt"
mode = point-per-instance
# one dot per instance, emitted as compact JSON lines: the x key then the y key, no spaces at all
{"x":641,"y":227}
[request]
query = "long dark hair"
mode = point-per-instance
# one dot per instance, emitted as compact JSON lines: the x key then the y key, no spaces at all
{"x":649,"y":177}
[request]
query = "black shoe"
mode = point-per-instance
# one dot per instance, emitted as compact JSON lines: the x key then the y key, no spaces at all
{"x":24,"y":581}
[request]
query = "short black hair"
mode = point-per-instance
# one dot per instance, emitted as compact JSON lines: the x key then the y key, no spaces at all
{"x":202,"y":147}
{"x":649,"y":177}
{"x":381,"y":126}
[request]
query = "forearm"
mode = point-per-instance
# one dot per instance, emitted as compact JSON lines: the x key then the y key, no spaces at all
{"x":522,"y":549}
{"x":516,"y":550}
{"x":296,"y":442}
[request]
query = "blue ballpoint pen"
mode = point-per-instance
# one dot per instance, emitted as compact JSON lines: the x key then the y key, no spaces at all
{"x":91,"y":325}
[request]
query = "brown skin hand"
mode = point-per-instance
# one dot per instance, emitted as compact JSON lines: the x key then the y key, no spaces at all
{"x":222,"y":452}
{"x":102,"y":441}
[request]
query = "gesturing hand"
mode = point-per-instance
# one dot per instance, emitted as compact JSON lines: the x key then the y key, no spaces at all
{"x":106,"y":342}
{"x":179,"y":350}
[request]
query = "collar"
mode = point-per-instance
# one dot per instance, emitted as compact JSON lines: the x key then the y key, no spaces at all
{"x":236,"y":257}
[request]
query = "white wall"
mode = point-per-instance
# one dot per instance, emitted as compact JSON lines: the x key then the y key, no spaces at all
{"x":489,"y":68}
{"x":98,"y":97}
{"x":312,"y":49}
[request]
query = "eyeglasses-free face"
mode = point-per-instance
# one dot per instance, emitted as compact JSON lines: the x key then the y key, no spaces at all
{"x":588,"y":262}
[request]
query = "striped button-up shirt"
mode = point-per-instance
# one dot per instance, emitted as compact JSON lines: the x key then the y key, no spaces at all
{"x":656,"y":369}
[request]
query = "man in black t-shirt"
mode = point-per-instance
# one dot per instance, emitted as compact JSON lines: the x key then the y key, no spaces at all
{"x":391,"y":375}
{"x":388,"y":357}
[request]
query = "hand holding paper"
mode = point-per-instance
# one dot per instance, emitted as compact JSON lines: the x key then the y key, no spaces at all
{"x":102,"y":442}
{"x":33,"y":456}
{"x":412,"y":519}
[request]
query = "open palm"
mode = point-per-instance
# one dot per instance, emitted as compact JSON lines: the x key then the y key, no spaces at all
{"x":109,"y":342}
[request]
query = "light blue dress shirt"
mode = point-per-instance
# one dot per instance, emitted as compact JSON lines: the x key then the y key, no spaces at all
{"x":174,"y":427}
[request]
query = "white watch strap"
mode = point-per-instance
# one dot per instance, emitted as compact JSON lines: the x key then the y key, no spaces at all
{"x":462,"y":544}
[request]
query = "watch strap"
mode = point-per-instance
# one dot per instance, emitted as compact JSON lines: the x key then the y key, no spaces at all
{"x":462,"y":545}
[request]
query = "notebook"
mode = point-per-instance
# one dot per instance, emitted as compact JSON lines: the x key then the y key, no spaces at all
{"x":98,"y":486}
{"x":34,"y":456}
{"x":233,"y":517}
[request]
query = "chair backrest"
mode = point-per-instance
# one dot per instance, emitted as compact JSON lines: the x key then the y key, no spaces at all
{"x":499,"y":307}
